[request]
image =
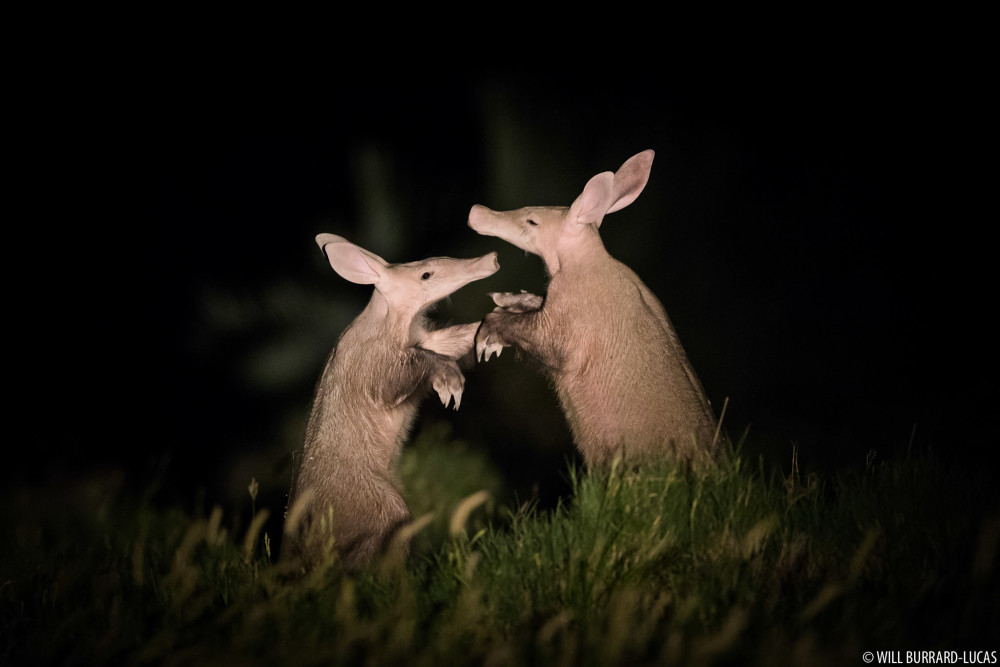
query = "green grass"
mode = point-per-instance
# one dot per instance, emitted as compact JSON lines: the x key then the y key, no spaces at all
{"x":739,"y":565}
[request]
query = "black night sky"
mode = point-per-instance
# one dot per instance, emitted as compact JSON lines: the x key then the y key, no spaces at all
{"x":809,"y":227}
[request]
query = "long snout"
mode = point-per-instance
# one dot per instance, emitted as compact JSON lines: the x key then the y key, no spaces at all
{"x":480,"y":218}
{"x":486,"y":266}
{"x":471,"y":270}
{"x":453,"y":274}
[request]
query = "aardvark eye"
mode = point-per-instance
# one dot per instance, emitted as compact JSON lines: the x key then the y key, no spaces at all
{"x":427,"y":274}
{"x":532,"y":223}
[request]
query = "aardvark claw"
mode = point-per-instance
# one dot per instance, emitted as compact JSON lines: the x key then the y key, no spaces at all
{"x":486,"y":350}
{"x":447,"y":390}
{"x":443,"y":394}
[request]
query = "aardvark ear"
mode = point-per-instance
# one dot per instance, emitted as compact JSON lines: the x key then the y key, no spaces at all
{"x":630,"y":179}
{"x":350,"y":261}
{"x":595,"y":200}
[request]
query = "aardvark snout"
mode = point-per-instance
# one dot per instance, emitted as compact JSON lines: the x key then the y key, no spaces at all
{"x":478,"y":217}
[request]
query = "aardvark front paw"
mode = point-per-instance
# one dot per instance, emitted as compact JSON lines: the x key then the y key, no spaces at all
{"x":517,"y":302}
{"x":449,"y":383}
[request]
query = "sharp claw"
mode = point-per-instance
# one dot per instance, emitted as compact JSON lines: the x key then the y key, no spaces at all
{"x":490,"y":349}
{"x":444,"y":396}
{"x":458,"y":399}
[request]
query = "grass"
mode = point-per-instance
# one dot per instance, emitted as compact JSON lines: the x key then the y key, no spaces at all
{"x":739,"y":565}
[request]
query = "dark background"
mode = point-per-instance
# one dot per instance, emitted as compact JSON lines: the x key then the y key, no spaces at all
{"x":808,"y":224}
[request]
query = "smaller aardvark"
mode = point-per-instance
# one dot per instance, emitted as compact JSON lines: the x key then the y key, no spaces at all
{"x":346,"y":491}
{"x":623,"y":380}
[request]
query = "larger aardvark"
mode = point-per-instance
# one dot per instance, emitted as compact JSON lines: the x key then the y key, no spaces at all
{"x":622,"y":377}
{"x":346,"y":490}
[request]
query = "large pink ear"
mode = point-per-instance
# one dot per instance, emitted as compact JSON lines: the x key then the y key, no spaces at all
{"x":351,"y":262}
{"x":630,"y":179}
{"x":593,"y":202}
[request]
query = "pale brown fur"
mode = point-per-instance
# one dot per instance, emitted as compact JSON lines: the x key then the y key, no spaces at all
{"x":622,"y":377}
{"x":365,"y":403}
